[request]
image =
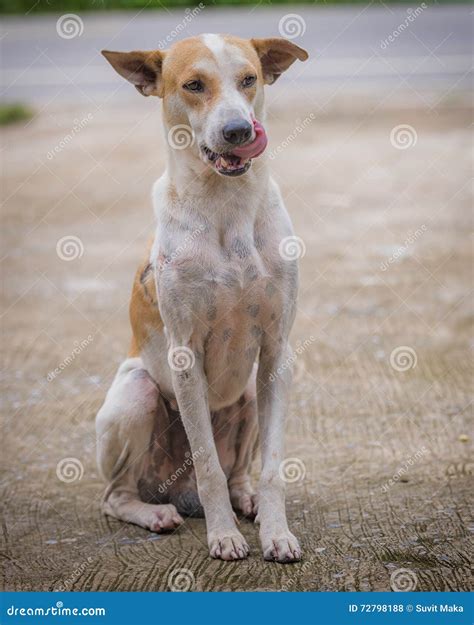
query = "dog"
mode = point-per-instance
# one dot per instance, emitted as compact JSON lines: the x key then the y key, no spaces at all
{"x":211,"y":309}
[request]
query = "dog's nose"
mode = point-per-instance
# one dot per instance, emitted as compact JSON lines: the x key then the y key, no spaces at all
{"x":237,"y":131}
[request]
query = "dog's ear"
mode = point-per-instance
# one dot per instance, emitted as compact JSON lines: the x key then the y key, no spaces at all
{"x":276,"y":55}
{"x":142,"y":69}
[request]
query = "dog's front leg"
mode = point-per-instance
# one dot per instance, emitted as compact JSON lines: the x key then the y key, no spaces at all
{"x":273,"y":383}
{"x":224,"y":539}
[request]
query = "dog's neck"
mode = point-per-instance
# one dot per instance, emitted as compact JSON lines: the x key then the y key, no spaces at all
{"x":194,"y":186}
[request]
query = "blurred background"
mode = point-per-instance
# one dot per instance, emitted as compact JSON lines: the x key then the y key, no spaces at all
{"x":370,"y":141}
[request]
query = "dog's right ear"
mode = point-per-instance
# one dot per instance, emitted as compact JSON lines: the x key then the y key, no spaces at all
{"x":142,"y":69}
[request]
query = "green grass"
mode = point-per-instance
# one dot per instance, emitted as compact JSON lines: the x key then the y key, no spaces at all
{"x":11,"y":113}
{"x":65,"y":6}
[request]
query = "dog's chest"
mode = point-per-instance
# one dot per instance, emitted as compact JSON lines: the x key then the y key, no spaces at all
{"x":239,"y":300}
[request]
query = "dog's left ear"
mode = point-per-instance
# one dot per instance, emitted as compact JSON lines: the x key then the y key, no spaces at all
{"x":276,"y":55}
{"x":142,"y":69}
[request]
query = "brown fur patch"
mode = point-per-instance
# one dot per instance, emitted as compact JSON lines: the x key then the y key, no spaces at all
{"x":143,"y":305}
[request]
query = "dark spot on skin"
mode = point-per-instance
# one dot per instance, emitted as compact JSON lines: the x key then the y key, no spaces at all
{"x":240,"y":248}
{"x":273,"y":317}
{"x":211,"y":313}
{"x":270,"y":290}
{"x":279,"y":271}
{"x":139,"y":374}
{"x":256,"y":331}
{"x":253,"y":309}
{"x":227,"y":334}
{"x":251,"y":273}
{"x":258,"y":242}
{"x":231,"y":280}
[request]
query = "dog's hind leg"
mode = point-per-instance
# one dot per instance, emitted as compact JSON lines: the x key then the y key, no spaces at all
{"x":127,"y":428}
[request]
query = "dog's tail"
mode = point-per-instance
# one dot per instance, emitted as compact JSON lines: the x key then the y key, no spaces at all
{"x":187,"y":503}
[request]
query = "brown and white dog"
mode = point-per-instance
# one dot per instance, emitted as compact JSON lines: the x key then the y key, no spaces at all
{"x":212,"y":306}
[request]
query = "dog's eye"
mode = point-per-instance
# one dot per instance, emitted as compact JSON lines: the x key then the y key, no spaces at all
{"x":248,"y":81}
{"x":194,"y":85}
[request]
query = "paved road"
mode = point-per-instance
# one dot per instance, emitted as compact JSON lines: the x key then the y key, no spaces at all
{"x":349,"y":47}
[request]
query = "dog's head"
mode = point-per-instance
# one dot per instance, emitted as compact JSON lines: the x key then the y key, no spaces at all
{"x":212,"y":89}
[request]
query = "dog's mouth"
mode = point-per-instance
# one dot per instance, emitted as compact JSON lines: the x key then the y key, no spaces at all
{"x":227,"y":164}
{"x":238,"y":161}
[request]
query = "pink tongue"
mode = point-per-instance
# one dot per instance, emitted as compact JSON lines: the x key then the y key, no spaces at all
{"x":258,"y":145}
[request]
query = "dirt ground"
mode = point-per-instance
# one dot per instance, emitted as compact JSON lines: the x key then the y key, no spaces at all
{"x":379,"y":448}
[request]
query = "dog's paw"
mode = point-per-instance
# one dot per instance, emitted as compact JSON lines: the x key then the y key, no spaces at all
{"x":228,"y":545}
{"x":165,"y":518}
{"x":282,"y":547}
{"x":245,"y":501}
